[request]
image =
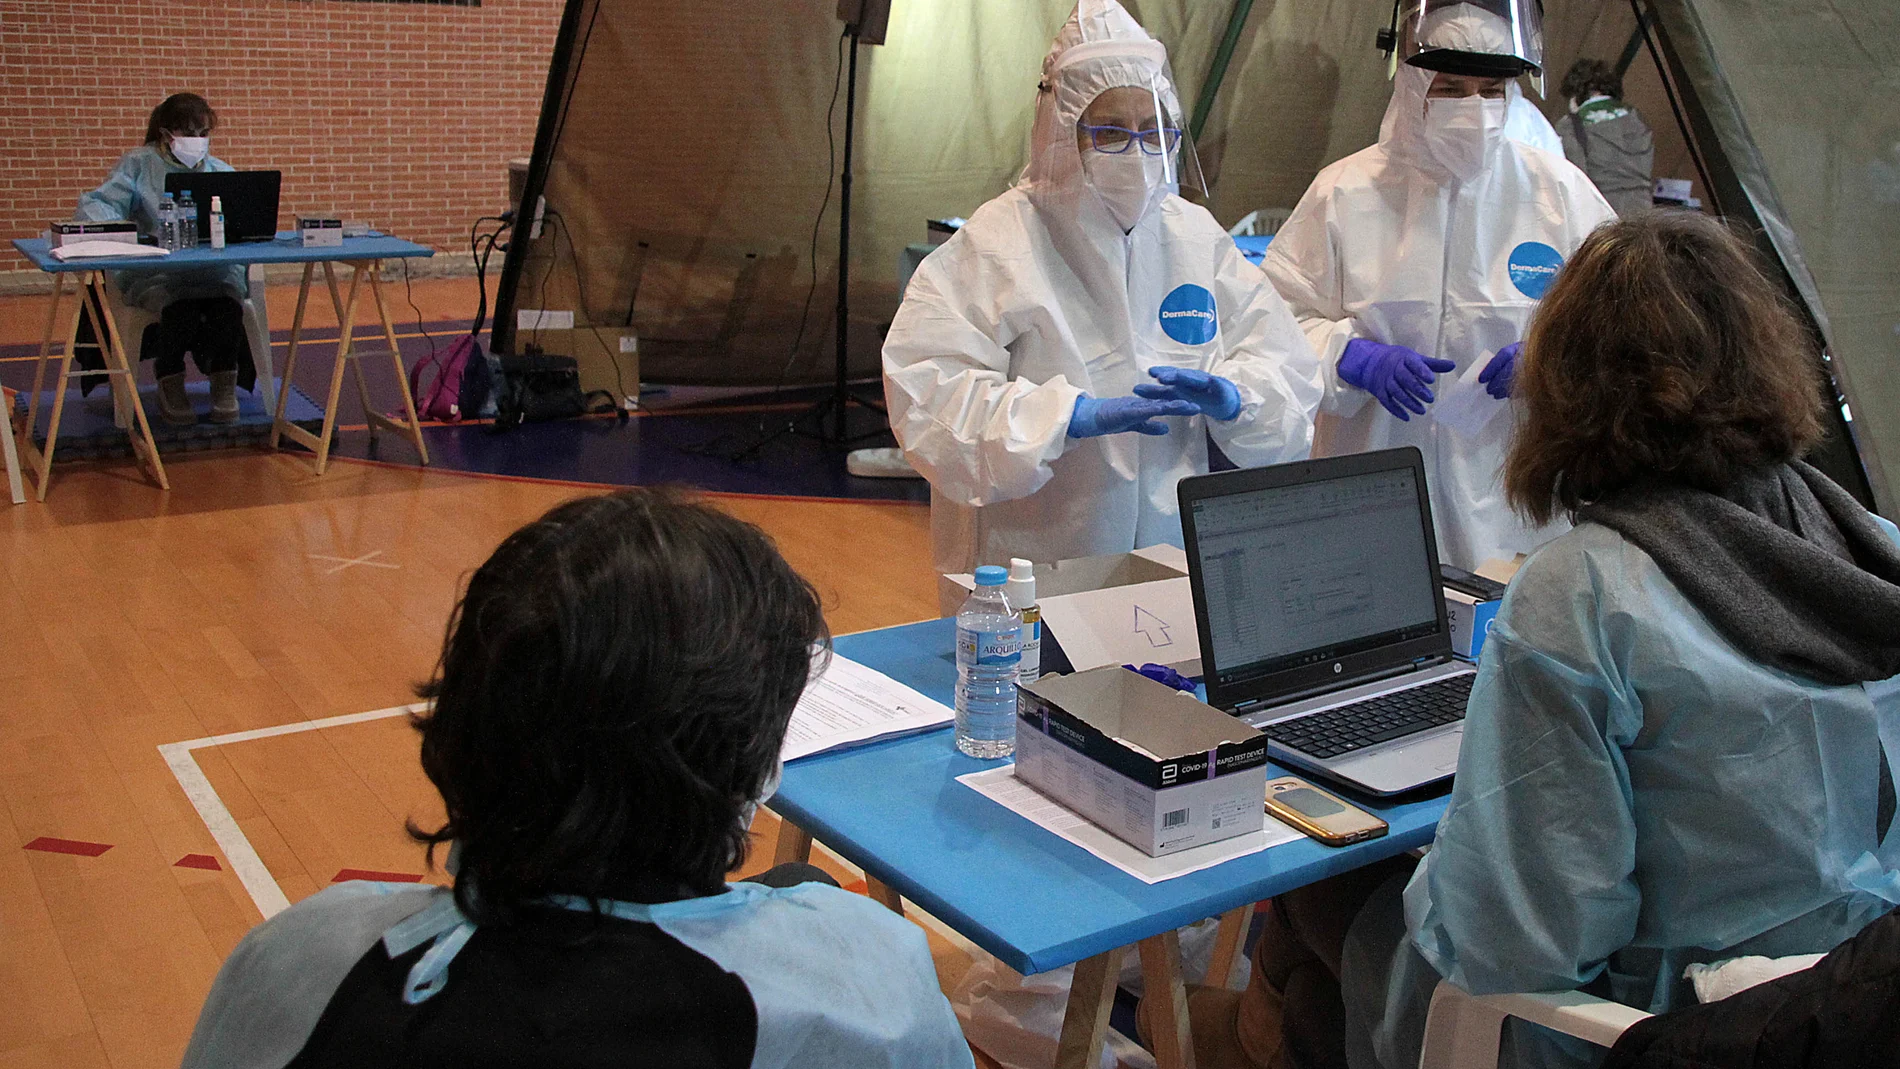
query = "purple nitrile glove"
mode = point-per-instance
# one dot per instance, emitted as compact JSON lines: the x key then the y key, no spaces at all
{"x":1094,"y":416}
{"x":1218,"y":398}
{"x":1497,"y":374}
{"x":1400,"y":378}
{"x":1164,"y":675}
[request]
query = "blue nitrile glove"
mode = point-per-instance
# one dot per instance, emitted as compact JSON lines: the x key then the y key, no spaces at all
{"x":1497,"y":374}
{"x":1094,"y":416}
{"x":1162,"y":674}
{"x":1397,"y":376}
{"x":1218,"y":398}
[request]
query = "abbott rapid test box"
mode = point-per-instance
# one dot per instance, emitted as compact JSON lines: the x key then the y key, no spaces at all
{"x":1144,"y":761}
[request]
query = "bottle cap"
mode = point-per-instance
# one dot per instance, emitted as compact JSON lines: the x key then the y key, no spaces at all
{"x":1022,"y":583}
{"x":991,"y":575}
{"x":217,"y":203}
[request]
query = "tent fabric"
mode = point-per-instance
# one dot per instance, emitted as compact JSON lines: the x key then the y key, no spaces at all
{"x":1800,"y":94}
{"x":692,"y":158}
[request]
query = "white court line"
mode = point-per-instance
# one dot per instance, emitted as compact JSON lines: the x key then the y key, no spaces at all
{"x":350,"y":562}
{"x":250,"y":868}
{"x":262,"y":886}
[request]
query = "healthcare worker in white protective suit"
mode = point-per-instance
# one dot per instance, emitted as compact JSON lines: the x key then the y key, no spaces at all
{"x":1415,"y":265}
{"x":1057,"y":365}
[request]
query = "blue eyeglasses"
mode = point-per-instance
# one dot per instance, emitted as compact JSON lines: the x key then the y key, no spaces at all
{"x":1115,"y":140}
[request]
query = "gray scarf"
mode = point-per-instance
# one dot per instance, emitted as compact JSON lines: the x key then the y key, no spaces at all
{"x":1785,"y":564}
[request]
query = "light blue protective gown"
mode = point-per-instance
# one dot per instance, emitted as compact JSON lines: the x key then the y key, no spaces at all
{"x":837,"y":979}
{"x":132,"y":191}
{"x":1634,"y":795}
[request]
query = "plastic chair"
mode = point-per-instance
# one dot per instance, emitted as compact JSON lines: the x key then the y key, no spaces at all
{"x":1260,"y":223}
{"x":133,"y":321}
{"x":1461,"y":1031}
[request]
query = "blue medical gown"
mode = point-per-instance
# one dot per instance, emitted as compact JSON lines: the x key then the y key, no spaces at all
{"x":132,"y":191}
{"x":1634,"y":795}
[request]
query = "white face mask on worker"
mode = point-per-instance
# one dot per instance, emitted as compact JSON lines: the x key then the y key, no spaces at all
{"x":1462,"y":132}
{"x":191,"y":151}
{"x":1127,"y":182}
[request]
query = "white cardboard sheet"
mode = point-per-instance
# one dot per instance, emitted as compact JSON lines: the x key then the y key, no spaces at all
{"x":1001,"y":786}
{"x":1137,"y":624}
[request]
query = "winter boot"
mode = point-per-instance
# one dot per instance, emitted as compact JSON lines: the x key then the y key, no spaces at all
{"x":173,"y":406}
{"x":224,"y":402}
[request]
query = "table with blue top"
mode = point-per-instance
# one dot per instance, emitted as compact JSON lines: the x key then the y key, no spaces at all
{"x":1034,"y":900}
{"x":364,"y":255}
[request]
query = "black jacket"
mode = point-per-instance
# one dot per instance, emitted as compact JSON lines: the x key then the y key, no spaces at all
{"x":1844,"y":1013}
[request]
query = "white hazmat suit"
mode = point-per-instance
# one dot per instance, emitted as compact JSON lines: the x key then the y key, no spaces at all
{"x":1389,"y":246}
{"x":1042,"y":298}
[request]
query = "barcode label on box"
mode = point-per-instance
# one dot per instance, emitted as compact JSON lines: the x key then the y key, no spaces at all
{"x":1174,"y":819}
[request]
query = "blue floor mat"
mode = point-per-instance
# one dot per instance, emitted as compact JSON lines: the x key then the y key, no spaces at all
{"x":86,"y":430}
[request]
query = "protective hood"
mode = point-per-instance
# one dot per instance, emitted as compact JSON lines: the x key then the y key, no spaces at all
{"x":1100,"y":48}
{"x":1465,"y":27}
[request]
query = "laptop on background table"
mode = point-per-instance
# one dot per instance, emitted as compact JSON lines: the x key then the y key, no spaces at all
{"x":250,"y":200}
{"x":1316,"y":593}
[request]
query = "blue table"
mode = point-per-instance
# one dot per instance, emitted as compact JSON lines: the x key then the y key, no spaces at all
{"x":364,"y":255}
{"x":1034,"y":900}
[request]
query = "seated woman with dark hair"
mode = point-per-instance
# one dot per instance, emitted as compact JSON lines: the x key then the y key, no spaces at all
{"x":1677,"y":748}
{"x":608,"y":713}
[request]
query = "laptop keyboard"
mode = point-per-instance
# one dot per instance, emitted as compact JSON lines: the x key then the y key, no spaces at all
{"x":1340,"y":731}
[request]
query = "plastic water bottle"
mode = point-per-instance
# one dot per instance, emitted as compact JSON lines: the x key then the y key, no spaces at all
{"x":167,"y":223}
{"x":187,"y":220}
{"x":989,"y":651}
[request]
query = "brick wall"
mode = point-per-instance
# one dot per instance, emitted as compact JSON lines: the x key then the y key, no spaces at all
{"x":402,"y":115}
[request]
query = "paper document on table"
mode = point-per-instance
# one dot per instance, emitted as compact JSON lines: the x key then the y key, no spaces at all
{"x":851,"y":704}
{"x":1138,"y":624}
{"x":1001,"y":786}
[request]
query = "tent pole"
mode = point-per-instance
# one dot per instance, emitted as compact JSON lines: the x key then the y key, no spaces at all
{"x":1217,"y":73}
{"x":840,"y":389}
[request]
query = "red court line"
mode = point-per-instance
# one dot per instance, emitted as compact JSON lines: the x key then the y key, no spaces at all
{"x":50,"y":845}
{"x":334,"y":459}
{"x":198,"y":861}
{"x":343,"y":875}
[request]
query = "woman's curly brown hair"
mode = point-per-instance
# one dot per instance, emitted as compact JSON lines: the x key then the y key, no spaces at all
{"x":1661,"y":350}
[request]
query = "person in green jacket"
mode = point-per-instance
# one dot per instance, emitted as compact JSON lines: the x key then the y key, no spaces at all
{"x":198,"y":308}
{"x":1607,"y":138}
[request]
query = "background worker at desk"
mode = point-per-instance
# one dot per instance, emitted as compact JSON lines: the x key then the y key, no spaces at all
{"x":198,"y":307}
{"x":1057,"y":366}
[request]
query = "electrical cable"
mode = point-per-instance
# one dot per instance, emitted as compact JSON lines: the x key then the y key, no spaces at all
{"x":765,"y":437}
{"x":580,"y":287}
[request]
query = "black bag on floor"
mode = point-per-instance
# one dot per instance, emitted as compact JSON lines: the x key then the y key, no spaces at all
{"x":535,"y":389}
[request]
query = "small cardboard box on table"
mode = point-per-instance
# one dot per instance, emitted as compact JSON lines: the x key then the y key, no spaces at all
{"x":1149,"y":763}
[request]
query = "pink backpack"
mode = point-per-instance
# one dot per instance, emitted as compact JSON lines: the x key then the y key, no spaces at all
{"x":441,"y":398}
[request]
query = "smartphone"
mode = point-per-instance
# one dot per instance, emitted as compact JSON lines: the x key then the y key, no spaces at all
{"x":1319,"y":814}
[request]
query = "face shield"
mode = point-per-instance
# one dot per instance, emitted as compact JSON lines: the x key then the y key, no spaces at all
{"x":1475,"y":38}
{"x":1115,"y":123}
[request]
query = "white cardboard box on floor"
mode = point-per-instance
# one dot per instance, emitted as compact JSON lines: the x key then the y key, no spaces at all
{"x":1148,"y":763}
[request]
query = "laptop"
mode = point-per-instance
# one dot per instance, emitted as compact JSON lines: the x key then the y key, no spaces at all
{"x":249,"y":199}
{"x":1316,"y":593}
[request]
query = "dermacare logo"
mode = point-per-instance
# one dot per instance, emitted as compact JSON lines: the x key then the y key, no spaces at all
{"x":1187,"y":315}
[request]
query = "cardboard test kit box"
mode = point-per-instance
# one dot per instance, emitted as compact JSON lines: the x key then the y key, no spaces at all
{"x":1149,"y":763}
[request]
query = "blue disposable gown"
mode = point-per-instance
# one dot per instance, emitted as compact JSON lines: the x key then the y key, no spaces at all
{"x":1634,"y":795}
{"x":132,"y":191}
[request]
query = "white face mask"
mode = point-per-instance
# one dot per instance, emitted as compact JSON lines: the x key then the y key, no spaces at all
{"x":190,"y":151}
{"x":1128,"y":182}
{"x":1462,"y":132}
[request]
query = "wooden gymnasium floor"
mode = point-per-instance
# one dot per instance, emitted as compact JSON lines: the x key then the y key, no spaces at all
{"x":256,"y":595}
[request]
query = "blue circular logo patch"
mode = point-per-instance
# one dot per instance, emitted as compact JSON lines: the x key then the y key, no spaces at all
{"x":1533,"y":266}
{"x":1187,"y":315}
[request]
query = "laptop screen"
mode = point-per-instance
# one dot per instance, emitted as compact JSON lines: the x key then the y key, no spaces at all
{"x":1315,"y":571}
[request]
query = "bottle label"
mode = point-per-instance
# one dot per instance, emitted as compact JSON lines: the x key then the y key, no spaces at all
{"x":1030,"y":669}
{"x":1001,"y":649}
